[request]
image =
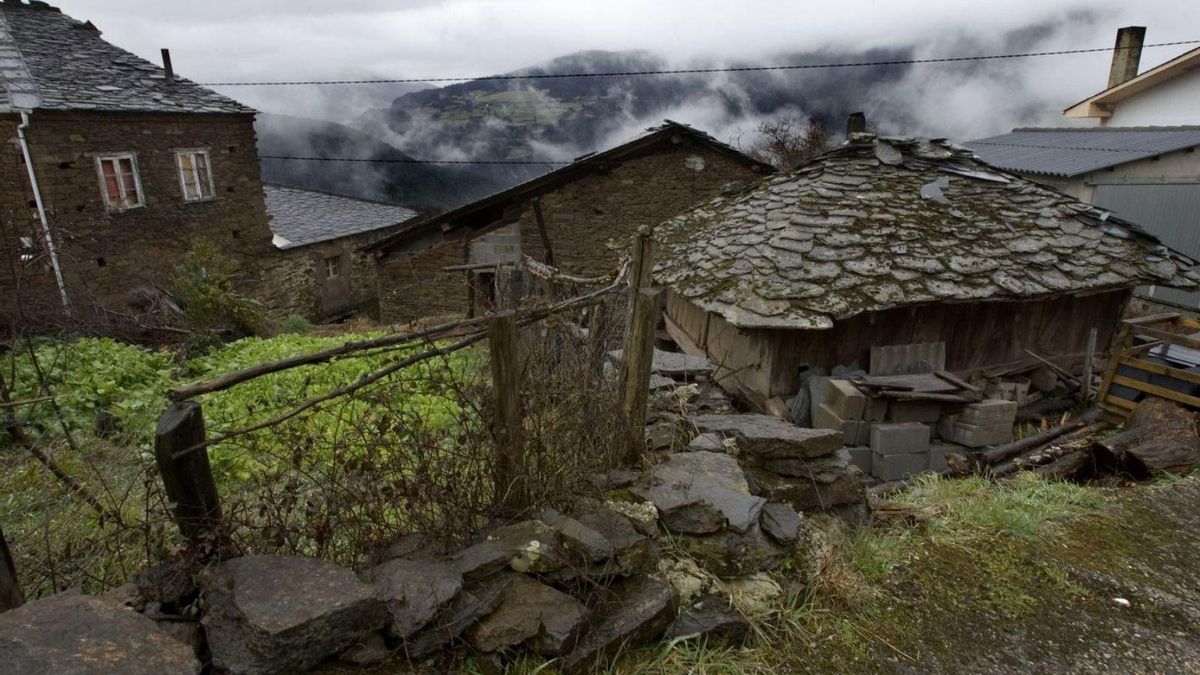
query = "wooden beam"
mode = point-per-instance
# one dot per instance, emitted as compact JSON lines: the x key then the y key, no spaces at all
{"x":187,"y":476}
{"x":1160,"y":369}
{"x":510,"y":478}
{"x":540,"y":219}
{"x":1154,"y":389}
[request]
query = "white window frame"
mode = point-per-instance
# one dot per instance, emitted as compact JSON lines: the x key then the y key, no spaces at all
{"x":116,"y":158}
{"x":212,"y":188}
{"x":336,"y":261}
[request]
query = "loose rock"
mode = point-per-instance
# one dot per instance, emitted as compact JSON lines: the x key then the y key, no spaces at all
{"x":282,"y":614}
{"x":700,"y":493}
{"x":710,"y":616}
{"x":730,"y":553}
{"x":639,"y":610}
{"x":371,"y":650}
{"x":471,"y":604}
{"x":768,"y":437}
{"x":85,"y":635}
{"x":533,"y":614}
{"x":780,"y":522}
{"x":414,"y":591}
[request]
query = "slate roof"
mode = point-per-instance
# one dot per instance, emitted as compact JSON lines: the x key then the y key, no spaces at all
{"x":1074,"y":152}
{"x":303,"y":217}
{"x":884,"y":223}
{"x":49,"y":61}
{"x":480,"y":215}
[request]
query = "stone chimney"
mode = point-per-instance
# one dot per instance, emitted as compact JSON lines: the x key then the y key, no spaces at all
{"x":1126,"y":55}
{"x":856,"y":123}
{"x":166,"y":58}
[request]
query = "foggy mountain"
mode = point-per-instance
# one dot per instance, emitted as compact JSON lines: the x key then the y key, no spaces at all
{"x":560,"y":119}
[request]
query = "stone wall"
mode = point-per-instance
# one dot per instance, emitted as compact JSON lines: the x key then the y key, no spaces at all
{"x":106,"y":255}
{"x":589,"y":222}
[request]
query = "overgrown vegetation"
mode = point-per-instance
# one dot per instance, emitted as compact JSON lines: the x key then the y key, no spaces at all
{"x":205,"y":289}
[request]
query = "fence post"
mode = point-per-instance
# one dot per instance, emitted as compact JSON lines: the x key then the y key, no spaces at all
{"x":188,"y":477}
{"x":10,"y":592}
{"x":642,"y":261}
{"x":638,"y":356}
{"x":506,"y":391}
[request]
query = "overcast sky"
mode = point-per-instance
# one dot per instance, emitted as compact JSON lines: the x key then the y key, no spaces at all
{"x":218,"y":40}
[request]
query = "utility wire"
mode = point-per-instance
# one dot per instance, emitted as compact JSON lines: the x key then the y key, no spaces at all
{"x":694,"y":71}
{"x":416,"y":161}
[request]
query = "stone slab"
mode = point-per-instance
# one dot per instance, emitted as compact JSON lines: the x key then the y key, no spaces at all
{"x":414,"y":591}
{"x":87,"y":635}
{"x":700,"y":493}
{"x":710,"y":617}
{"x":637,"y":610}
{"x":899,"y":438}
{"x":899,"y":466}
{"x":780,"y":522}
{"x":804,"y":494}
{"x":767,"y":436}
{"x":531,"y":614}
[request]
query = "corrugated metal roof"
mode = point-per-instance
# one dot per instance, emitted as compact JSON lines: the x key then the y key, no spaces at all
{"x":1073,"y":152}
{"x":302,"y":217}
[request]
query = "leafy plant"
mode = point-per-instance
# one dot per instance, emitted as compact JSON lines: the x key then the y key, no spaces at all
{"x":205,"y":289}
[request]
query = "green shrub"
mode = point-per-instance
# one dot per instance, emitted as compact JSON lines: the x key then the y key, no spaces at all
{"x":205,"y":290}
{"x":295,"y":324}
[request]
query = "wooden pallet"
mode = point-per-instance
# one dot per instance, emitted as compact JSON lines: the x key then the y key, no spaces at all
{"x":1135,"y":338}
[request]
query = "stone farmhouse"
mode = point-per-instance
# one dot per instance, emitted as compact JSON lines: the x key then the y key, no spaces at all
{"x":111,"y":165}
{"x":1139,"y":159}
{"x":895,"y":241}
{"x":578,"y":218}
{"x":323,"y":271}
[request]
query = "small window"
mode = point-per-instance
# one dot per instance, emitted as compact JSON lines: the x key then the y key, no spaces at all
{"x":333,"y":267}
{"x":119,"y":181}
{"x":195,"y":175}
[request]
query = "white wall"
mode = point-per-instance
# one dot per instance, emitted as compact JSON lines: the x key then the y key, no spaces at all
{"x":1173,"y":103}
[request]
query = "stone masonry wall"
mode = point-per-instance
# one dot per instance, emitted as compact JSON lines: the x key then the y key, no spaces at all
{"x":589,"y":222}
{"x":106,"y":255}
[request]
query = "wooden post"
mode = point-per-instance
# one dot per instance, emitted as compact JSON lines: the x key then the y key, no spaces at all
{"x":1085,"y":388}
{"x":10,"y":592}
{"x":540,"y":219}
{"x":642,"y":261}
{"x":597,"y":334}
{"x":187,"y":476}
{"x":506,"y":391}
{"x":638,"y":355}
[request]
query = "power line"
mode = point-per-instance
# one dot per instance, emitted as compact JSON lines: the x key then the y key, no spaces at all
{"x":695,"y":71}
{"x":416,"y":161}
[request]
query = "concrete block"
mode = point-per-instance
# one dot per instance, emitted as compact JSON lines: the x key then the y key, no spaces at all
{"x":923,"y":357}
{"x":876,"y":410}
{"x":861,"y":457}
{"x":992,"y":411}
{"x":899,"y":438}
{"x":846,"y":401}
{"x":898,"y":466}
{"x":978,"y":435}
{"x":914,"y":411}
{"x":825,"y":418}
{"x":937,"y":455}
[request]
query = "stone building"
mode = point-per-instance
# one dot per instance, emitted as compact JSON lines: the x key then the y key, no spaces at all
{"x":110,"y":166}
{"x":893,"y":242}
{"x":323,"y":271}
{"x":578,"y":218}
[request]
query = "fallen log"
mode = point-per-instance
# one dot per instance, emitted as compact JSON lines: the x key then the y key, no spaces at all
{"x":1065,"y":466}
{"x":1078,"y":440}
{"x":1002,"y":452}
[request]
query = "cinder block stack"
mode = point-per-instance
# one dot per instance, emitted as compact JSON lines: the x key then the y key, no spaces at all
{"x":848,"y":410}
{"x":899,"y":450}
{"x":980,"y":424}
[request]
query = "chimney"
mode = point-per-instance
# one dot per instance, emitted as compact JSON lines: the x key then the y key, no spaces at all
{"x":856,"y":124}
{"x":1126,"y":55}
{"x":166,"y":57}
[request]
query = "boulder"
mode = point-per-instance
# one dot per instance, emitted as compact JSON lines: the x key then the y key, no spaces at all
{"x":474,"y":602}
{"x":282,"y":614}
{"x":414,"y":591}
{"x":780,"y":522}
{"x":636,"y":611}
{"x":531,"y":614}
{"x":83,"y":634}
{"x":768,"y":437}
{"x":186,"y":632}
{"x":729,"y":553}
{"x":700,"y":493}
{"x":712,"y":617}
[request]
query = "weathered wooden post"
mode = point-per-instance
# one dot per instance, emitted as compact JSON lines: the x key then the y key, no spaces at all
{"x":186,"y":473}
{"x":642,"y":262}
{"x":638,"y":356}
{"x":511,"y":481}
{"x":10,"y":590}
{"x":1089,"y":357}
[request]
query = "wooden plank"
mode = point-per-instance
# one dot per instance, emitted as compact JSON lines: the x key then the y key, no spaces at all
{"x":510,"y":477}
{"x":1160,"y":369}
{"x":1120,"y":402}
{"x":639,"y":356}
{"x":1085,"y":382}
{"x":10,"y":591}
{"x":1152,"y":318}
{"x":1169,"y":337}
{"x":1161,"y":392}
{"x":187,"y":476}
{"x":958,"y":381}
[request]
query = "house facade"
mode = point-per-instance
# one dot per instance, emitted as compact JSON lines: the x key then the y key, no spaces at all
{"x":892,"y":242}
{"x":578,"y":218}
{"x":1138,"y":158}
{"x":111,"y":167}
{"x":322,"y":270}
